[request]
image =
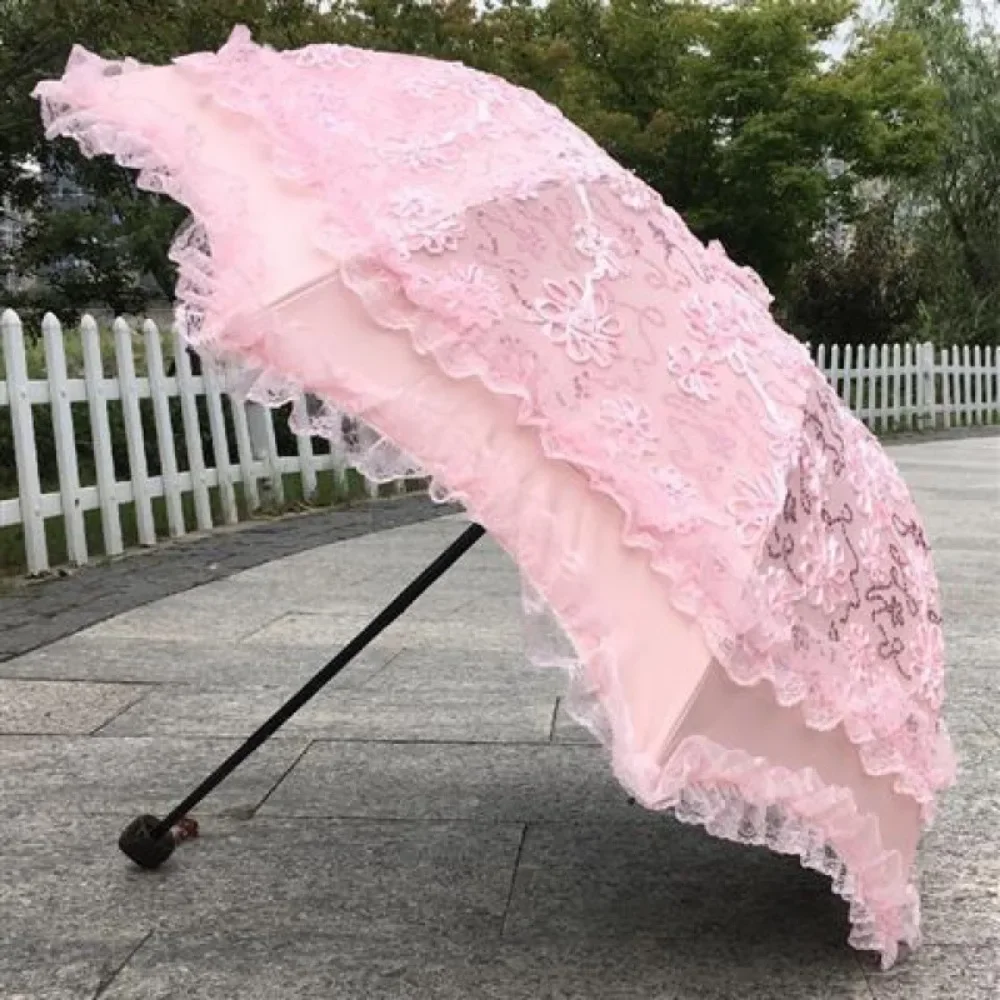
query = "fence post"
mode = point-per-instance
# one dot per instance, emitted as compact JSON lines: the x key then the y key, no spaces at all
{"x":993,"y":382}
{"x":895,"y":380}
{"x":244,"y":450}
{"x":192,"y":435}
{"x":65,"y":440}
{"x":100,"y":435}
{"x":25,"y":456}
{"x":303,"y":444}
{"x":884,"y":377}
{"x":265,"y":448}
{"x":164,"y":429}
{"x":132,"y":415}
{"x":926,"y":388}
{"x":982,"y":417}
{"x":845,"y":389}
{"x":966,"y":385}
{"x":220,"y":442}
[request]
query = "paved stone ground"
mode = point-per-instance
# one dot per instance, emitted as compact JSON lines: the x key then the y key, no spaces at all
{"x":46,"y":610}
{"x":433,"y":826}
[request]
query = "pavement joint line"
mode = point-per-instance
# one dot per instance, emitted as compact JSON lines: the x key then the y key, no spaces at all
{"x":364,"y":685}
{"x":248,"y":637}
{"x":484,"y":822}
{"x":863,"y":969}
{"x":124,"y":682}
{"x":513,"y":879}
{"x":281,"y":778}
{"x":596,"y":824}
{"x":117,"y":715}
{"x":323,"y":739}
{"x":333,"y":819}
{"x":160,"y":736}
{"x":989,"y":726}
{"x":555,"y":717}
{"x":107,"y":980}
{"x":336,"y":740}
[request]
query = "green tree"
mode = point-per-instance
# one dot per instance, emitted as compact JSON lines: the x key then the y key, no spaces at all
{"x":860,"y":282}
{"x":959,"y":197}
{"x":731,"y":112}
{"x":95,"y":250}
{"x":735,"y":116}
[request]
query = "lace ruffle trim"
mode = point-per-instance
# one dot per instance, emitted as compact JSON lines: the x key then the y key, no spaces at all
{"x":743,"y":799}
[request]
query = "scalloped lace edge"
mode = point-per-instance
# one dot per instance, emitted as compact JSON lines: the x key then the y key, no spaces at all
{"x":743,"y":799}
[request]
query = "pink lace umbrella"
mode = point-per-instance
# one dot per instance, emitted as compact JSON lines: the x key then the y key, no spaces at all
{"x":742,"y":576}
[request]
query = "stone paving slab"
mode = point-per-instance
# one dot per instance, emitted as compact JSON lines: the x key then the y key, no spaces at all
{"x":960,"y":899}
{"x":436,"y":826}
{"x":129,"y":660}
{"x":971,"y":810}
{"x":373,"y":884}
{"x":60,"y":707}
{"x":208,"y":969}
{"x":68,"y":968}
{"x":456,"y":631}
{"x":481,"y":783}
{"x":662,"y":880}
{"x":938,"y":973}
{"x":37,"y":614}
{"x":192,"y":613}
{"x":451,"y":671}
{"x":142,"y":774}
{"x":349,"y":714}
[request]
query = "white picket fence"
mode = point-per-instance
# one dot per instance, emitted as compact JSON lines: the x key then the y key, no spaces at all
{"x":259,"y":468}
{"x":897,"y":388}
{"x":915,"y":387}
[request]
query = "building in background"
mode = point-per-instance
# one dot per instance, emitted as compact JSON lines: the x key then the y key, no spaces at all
{"x":61,"y":193}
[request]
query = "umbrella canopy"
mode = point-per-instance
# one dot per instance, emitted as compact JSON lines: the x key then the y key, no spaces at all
{"x":745,"y":585}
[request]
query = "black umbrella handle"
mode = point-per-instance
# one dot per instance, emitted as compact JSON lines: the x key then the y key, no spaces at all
{"x":149,"y":841}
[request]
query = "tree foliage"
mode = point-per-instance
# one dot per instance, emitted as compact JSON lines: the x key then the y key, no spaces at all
{"x":959,"y":235}
{"x":733,"y":112}
{"x":859,"y":285}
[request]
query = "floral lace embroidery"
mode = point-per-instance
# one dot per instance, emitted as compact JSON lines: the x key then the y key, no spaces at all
{"x":630,"y":425}
{"x":425,"y":224}
{"x":576,"y":318}
{"x":694,"y":372}
{"x":606,"y":252}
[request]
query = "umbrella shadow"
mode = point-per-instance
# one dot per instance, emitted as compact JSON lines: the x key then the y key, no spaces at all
{"x":652,"y":878}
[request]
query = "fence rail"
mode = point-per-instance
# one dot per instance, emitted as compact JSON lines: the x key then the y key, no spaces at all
{"x":204,"y":446}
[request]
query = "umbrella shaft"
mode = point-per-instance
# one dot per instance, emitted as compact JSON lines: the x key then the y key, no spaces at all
{"x":378,"y":624}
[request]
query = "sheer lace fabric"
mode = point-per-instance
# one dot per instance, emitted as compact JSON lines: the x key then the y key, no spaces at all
{"x":470,"y":218}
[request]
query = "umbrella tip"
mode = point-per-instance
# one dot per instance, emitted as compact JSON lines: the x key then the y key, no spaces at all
{"x":143,"y":842}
